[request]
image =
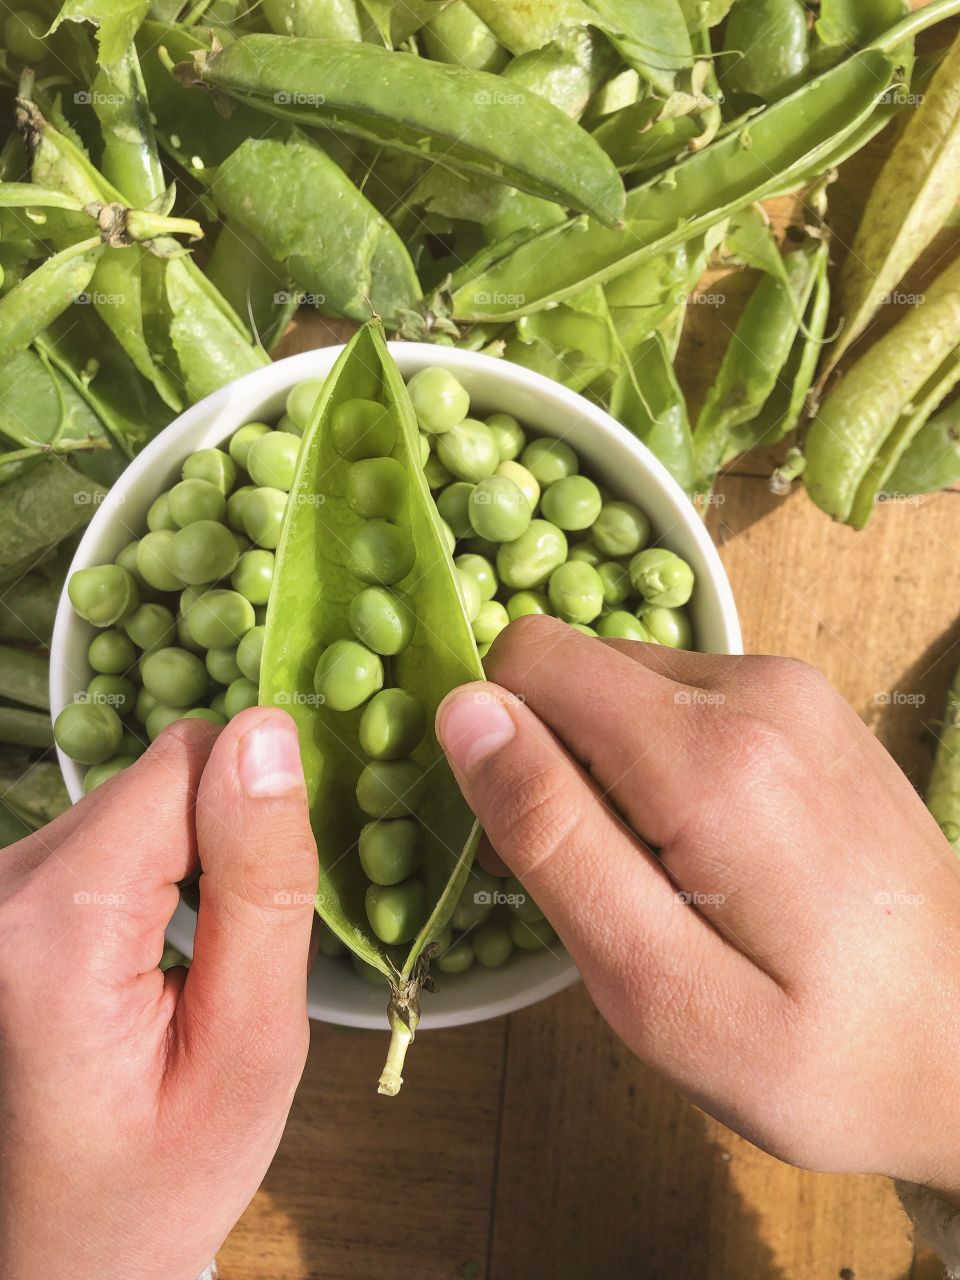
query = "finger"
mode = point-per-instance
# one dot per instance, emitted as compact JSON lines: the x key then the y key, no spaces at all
{"x":609,"y":900}
{"x":245,"y":995}
{"x":489,"y":859}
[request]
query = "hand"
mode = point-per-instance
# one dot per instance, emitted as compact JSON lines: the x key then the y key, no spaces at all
{"x":141,"y":1109}
{"x":790,"y":956}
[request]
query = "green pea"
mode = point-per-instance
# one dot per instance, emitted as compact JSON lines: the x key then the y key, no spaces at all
{"x":439,"y":400}
{"x":391,"y":851}
{"x":213,"y":465}
{"x":583,"y":629}
{"x":454,"y":507}
{"x":272,"y":460}
{"x":153,"y":561}
{"x":549,"y":461}
{"x":530,"y":559}
{"x":572,"y":503}
{"x":131,"y":744}
{"x":397,"y":912}
{"x":243,"y":440}
{"x":328,"y":944}
{"x":492,"y":944}
{"x":524,"y":603}
{"x":235,"y":503}
{"x":219,"y":702}
{"x":509,"y":436}
{"x":587,"y":553}
{"x":437,"y":474}
{"x":392,"y":725}
{"x":144,"y":704}
{"x":576,"y":592}
{"x":291,"y":427}
{"x":159,"y":515}
{"x":670,"y":627}
{"x":239,"y":696}
{"x":23,"y":34}
{"x":469,"y":594}
{"x":482,"y":569}
{"x":114,"y":691}
{"x":347,"y":675}
{"x":381,"y":620}
{"x":362,"y":429}
{"x":185,"y":637}
{"x":219,"y":619}
{"x":376,"y":488}
{"x":661,"y":577}
{"x":88,"y":732}
{"x":262,"y":515}
{"x":193,"y":500}
{"x":525,"y":481}
{"x":456,"y":959}
{"x":449,"y":538}
{"x":490,"y":621}
{"x":499,"y":511}
{"x":253,"y":576}
{"x":175,"y":677}
{"x":620,"y":529}
{"x":160,"y":718}
{"x":151,"y":626}
{"x":469,"y":451}
{"x":127,"y":559}
{"x":616,"y":582}
{"x":391,"y":788}
{"x":103,"y":595}
{"x":111,"y":652}
{"x":203,"y":552}
{"x":621,"y":625}
{"x":424,"y":449}
{"x":367,"y":973}
{"x":532,"y":935}
{"x":476,"y":899}
{"x":381,"y":553}
{"x":521,"y":903}
{"x":222,"y":665}
{"x":302,"y":401}
{"x":250,"y":652}
{"x":98,"y":774}
{"x":204,"y":713}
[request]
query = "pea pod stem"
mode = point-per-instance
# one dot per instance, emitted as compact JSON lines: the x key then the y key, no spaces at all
{"x":403,"y":1023}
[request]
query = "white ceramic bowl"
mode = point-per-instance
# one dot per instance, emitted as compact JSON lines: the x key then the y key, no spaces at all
{"x":613,"y":456}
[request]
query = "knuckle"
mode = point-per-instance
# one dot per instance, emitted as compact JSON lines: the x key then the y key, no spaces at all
{"x":796,"y":685}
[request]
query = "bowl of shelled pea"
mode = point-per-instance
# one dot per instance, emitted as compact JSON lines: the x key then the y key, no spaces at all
{"x":543,"y":503}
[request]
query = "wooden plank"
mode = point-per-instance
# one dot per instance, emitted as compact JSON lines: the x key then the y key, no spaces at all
{"x":375,"y":1188}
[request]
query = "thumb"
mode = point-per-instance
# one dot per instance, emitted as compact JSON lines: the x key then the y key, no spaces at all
{"x":246,"y":988}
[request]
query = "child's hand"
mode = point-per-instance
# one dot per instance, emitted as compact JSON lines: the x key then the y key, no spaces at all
{"x":140,"y":1109}
{"x":791,"y":958}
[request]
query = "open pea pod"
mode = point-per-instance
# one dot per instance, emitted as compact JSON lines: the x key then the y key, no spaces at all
{"x":426,"y":108}
{"x":321,"y":571}
{"x":932,"y":461}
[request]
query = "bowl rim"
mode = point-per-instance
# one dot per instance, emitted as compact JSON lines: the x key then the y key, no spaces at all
{"x":281,"y":375}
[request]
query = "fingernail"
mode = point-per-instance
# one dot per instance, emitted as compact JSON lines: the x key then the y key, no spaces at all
{"x":472,"y":725}
{"x":270,"y":758}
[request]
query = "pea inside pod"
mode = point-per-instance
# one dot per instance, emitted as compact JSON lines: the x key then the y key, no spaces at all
{"x":339,"y":578}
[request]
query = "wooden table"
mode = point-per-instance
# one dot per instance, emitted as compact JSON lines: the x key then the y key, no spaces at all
{"x":535,"y":1147}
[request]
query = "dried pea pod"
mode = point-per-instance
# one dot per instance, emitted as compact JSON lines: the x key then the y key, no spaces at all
{"x":916,"y":190}
{"x":932,"y":461}
{"x":943,"y":793}
{"x":866,"y":423}
{"x":422,"y":107}
{"x":324,"y":565}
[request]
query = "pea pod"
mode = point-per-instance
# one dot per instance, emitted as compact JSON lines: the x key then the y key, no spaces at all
{"x":39,"y":510}
{"x":117,"y":23}
{"x":332,"y":240}
{"x":253,"y":283}
{"x":27,"y":195}
{"x":773,"y":151}
{"x":565,"y":74}
{"x":422,"y":107}
{"x":770,"y":47}
{"x":458,"y":36}
{"x":932,"y":460}
{"x":651,"y":37}
{"x":320,"y":19}
{"x":911,"y":199}
{"x":46,"y":293}
{"x":573,"y":343}
{"x":709,"y":12}
{"x":28,"y":607}
{"x":861,"y":417}
{"x":943,"y":792}
{"x":398,"y":20}
{"x":647,"y":399}
{"x":315,"y":584}
{"x":852,"y":24}
{"x":522,"y":27}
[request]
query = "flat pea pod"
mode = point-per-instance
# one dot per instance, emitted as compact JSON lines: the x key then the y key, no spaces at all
{"x":915,"y":191}
{"x":310,"y":609}
{"x":425,"y":108}
{"x":860,"y":415}
{"x":769,"y":44}
{"x":647,"y":399}
{"x":33,"y":304}
{"x":932,"y":461}
{"x":327,"y":235}
{"x":943,"y":791}
{"x":772,"y":152}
